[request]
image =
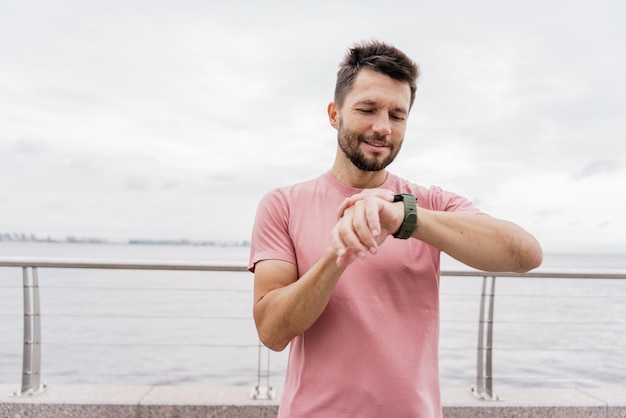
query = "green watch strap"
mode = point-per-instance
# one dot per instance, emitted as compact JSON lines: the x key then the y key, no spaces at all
{"x":409,"y":223}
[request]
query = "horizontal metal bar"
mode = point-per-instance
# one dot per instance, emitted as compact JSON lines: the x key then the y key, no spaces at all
{"x":122,"y":316}
{"x":118,"y":264}
{"x":242,"y":267}
{"x":582,"y":349}
{"x":152,"y":289}
{"x":188,"y":345}
{"x":203,"y":375}
{"x":534,"y":274}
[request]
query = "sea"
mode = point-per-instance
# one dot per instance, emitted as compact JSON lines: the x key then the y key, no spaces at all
{"x":196,"y":328}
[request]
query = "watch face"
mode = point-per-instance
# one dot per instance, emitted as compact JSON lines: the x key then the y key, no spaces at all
{"x":400,"y":197}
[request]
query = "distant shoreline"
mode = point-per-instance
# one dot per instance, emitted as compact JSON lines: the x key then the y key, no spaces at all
{"x":30,"y":238}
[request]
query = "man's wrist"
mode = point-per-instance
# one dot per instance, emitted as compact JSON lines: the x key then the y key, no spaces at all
{"x":409,"y":221}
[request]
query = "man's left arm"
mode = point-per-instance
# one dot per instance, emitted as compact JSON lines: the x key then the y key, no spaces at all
{"x":478,"y":240}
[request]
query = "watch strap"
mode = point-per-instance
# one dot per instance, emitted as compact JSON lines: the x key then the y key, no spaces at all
{"x":409,"y":223}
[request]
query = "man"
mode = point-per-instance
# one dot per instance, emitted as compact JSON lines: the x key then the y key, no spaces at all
{"x":359,"y":307}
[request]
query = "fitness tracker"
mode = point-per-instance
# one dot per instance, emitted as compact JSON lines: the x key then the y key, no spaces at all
{"x":409,"y":223}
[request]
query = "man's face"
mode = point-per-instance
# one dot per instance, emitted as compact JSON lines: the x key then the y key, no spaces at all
{"x":372,"y":121}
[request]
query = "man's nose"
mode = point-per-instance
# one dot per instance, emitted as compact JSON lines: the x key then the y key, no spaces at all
{"x":382,"y":124}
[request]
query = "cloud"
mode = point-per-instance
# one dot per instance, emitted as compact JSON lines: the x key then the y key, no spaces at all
{"x":27,"y":146}
{"x":166,"y":120}
{"x":599,"y":167}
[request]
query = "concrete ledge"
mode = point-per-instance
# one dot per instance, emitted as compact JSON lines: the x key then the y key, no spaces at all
{"x":134,"y":401}
{"x":174,"y":401}
{"x":588,"y":403}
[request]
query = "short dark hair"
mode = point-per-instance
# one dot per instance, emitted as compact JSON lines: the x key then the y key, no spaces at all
{"x":377,"y":56}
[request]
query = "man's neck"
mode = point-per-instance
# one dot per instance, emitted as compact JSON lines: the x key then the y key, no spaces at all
{"x":351,"y":176}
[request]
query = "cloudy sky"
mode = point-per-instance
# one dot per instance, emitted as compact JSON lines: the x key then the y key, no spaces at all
{"x":162,"y":119}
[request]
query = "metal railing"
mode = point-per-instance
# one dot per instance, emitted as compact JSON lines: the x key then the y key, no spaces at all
{"x":485,"y":346}
{"x":32,"y":383}
{"x":31,"y":352}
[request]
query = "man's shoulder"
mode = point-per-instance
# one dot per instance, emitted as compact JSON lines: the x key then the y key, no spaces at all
{"x":433,"y":196}
{"x":299,"y":188}
{"x":402,"y":185}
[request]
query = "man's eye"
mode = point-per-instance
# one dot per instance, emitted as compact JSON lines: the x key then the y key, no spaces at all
{"x":365,"y":110}
{"x":397,"y":117}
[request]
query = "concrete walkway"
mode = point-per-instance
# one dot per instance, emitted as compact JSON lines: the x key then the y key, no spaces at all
{"x":175,"y":401}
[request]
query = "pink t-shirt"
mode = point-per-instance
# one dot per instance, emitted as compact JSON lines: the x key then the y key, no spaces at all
{"x":374,"y":350}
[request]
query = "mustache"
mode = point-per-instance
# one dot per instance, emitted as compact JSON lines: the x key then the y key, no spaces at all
{"x":376,"y":138}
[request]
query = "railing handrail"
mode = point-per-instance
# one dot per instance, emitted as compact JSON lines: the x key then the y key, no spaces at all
{"x":537,"y":274}
{"x":71,"y":263}
{"x":116,"y":264}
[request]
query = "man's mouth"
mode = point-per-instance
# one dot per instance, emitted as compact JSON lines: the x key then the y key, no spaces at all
{"x":377,"y":144}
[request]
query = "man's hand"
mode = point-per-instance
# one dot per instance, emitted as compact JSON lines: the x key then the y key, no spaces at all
{"x":365,"y":220}
{"x":384,"y":194}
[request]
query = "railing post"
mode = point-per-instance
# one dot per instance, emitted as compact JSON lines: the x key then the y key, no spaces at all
{"x":27,"y":353}
{"x":484,"y":359}
{"x":31,"y":352}
{"x":36,"y":377}
{"x":266,"y":392}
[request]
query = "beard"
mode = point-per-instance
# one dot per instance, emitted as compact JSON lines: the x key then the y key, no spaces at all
{"x":350,"y":141}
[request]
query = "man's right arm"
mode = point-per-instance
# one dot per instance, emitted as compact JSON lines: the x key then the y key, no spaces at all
{"x":285,"y":306}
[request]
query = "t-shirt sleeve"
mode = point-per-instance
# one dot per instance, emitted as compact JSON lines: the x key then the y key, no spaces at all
{"x":450,"y":202}
{"x":270,"y":234}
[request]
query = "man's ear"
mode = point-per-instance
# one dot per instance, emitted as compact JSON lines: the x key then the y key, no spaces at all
{"x":333,"y":114}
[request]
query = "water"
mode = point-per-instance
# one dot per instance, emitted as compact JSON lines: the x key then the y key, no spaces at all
{"x":195,"y":328}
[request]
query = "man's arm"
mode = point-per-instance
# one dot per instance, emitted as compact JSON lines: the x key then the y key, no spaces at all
{"x":285,"y":306}
{"x":478,"y":240}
